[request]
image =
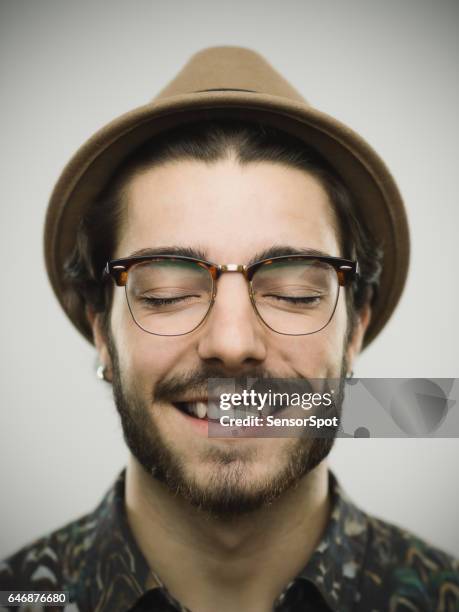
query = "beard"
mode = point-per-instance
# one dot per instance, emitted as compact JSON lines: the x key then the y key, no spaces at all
{"x":228,"y":492}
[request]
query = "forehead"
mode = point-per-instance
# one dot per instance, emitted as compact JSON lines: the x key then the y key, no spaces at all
{"x":227,"y":210}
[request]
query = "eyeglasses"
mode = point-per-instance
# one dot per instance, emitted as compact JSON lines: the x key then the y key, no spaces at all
{"x":170,"y":295}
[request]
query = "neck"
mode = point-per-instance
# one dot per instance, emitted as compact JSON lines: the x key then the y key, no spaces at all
{"x":200,"y":558}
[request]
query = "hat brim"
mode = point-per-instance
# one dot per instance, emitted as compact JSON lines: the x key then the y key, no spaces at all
{"x":374,"y":191}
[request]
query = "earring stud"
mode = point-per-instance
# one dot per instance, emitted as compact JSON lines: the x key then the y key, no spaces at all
{"x":100,"y":372}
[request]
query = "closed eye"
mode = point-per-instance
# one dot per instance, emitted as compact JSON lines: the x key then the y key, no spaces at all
{"x":163,"y":301}
{"x":297,"y":299}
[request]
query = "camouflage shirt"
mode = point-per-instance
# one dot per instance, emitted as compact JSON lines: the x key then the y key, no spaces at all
{"x":361,"y":564}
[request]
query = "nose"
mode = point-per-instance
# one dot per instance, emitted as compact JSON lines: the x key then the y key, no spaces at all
{"x":233,"y":336}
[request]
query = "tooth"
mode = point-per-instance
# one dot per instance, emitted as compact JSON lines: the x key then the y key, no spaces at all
{"x":200,"y":409}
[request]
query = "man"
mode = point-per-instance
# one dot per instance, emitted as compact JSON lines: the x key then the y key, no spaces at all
{"x":227,"y":230}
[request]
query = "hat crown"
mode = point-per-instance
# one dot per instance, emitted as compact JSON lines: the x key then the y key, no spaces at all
{"x":229,"y":69}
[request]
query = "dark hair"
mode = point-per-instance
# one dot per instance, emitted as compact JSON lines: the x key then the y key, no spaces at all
{"x":209,"y":142}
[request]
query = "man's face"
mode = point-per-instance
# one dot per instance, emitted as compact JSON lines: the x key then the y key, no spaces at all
{"x":229,"y":213}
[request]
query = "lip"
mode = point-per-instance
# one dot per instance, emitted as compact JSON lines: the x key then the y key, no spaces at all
{"x":199,"y":426}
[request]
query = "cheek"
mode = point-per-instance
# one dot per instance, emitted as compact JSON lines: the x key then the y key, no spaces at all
{"x":143,"y":358}
{"x":334,"y":335}
{"x":318,"y":355}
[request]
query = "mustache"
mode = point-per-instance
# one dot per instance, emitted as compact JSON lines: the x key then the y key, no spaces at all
{"x":197,"y":382}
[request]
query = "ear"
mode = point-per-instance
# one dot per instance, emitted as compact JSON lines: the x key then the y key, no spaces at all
{"x":100,"y":341}
{"x":356,"y":340}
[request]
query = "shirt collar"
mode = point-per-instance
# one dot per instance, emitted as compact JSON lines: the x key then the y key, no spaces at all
{"x":336,"y":565}
{"x":118,"y":570}
{"x":118,"y":573}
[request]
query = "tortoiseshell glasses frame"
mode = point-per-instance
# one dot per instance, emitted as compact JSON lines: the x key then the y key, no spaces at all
{"x":346,"y":271}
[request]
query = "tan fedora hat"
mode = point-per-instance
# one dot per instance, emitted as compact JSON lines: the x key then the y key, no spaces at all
{"x":238,"y":83}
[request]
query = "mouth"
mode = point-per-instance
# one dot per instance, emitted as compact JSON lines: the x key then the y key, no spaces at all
{"x":199,"y":409}
{"x":195,"y":409}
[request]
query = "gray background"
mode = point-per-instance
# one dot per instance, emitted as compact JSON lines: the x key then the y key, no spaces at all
{"x":389,"y":70}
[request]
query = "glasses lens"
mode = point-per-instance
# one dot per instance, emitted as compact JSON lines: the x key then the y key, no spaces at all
{"x":169,"y":297}
{"x":295,"y":296}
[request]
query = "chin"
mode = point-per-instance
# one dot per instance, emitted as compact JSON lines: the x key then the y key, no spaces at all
{"x":227,"y":485}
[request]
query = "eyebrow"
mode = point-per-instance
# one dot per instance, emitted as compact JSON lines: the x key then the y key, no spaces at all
{"x":198,"y":253}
